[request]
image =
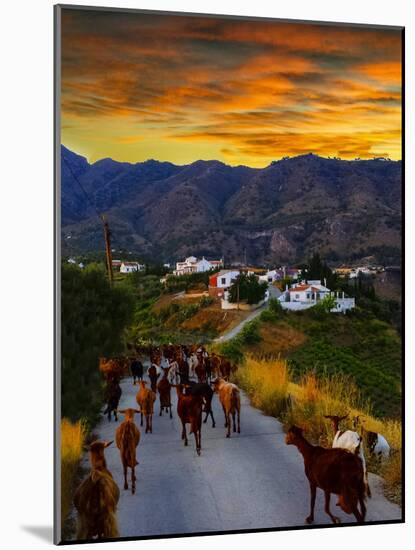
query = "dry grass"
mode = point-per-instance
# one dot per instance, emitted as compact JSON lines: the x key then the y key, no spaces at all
{"x":266,"y":383}
{"x":277,"y":340}
{"x":269,"y":387}
{"x":215,"y":318}
{"x":72,"y":441}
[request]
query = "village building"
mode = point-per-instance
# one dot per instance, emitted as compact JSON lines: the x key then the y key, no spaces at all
{"x":193,"y":265}
{"x":116,"y":264}
{"x":272,"y":276}
{"x":221,"y":281}
{"x":291,"y":272}
{"x":306,"y":294}
{"x":130,"y":267}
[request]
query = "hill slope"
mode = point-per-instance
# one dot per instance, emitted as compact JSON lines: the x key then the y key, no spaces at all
{"x":281,"y":213}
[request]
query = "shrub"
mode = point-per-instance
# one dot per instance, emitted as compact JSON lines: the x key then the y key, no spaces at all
{"x":275,"y":307}
{"x":206,"y":301}
{"x":94,"y":318}
{"x":231,"y":350}
{"x":250,"y":335}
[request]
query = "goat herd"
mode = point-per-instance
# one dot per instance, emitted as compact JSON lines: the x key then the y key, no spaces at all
{"x":340,"y":470}
{"x":196,"y":375}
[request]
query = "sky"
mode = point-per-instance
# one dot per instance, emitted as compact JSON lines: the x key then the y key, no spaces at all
{"x":180,"y":89}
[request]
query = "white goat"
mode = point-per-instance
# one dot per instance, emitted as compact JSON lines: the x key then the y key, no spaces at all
{"x":376,"y":443}
{"x":192,"y":362}
{"x":351,"y":441}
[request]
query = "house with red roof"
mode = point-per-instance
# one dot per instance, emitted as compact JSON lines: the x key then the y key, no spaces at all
{"x":306,"y":294}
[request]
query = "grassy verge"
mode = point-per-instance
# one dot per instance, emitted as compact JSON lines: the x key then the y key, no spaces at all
{"x":72,"y":441}
{"x":304,"y":403}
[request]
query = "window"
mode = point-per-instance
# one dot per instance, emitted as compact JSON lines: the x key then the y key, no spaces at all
{"x":297,"y":296}
{"x":223,"y":280}
{"x":308,"y":295}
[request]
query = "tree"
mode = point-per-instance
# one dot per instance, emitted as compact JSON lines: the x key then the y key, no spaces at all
{"x":317,"y":269}
{"x":247,"y":288}
{"x":326,"y":304}
{"x":94,"y":317}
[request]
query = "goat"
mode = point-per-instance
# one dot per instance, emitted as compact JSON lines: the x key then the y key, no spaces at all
{"x":230,"y":399}
{"x":174,"y":376}
{"x":164,"y":391}
{"x":145,"y":399}
{"x":136,"y":370}
{"x":376,"y":443}
{"x":112,"y":397}
{"x":215,"y":362}
{"x":334,"y":471}
{"x":97,"y":497}
{"x":189,"y":410}
{"x":351,"y":441}
{"x":192,"y":363}
{"x":205,"y":391}
{"x":225,"y":369}
{"x":127,"y":437}
{"x":153,"y":374}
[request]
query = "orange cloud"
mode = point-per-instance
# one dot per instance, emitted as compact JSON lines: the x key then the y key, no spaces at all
{"x":244,"y":90}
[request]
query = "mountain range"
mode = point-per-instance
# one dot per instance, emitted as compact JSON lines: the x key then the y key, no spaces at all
{"x":346,"y":210}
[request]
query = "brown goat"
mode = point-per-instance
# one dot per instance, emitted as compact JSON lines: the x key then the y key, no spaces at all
{"x":334,"y":471}
{"x":164,"y":388}
{"x":127,"y":437}
{"x":153,"y":375}
{"x":230,"y":399}
{"x":189,"y":410}
{"x":97,"y":497}
{"x":145,"y":399}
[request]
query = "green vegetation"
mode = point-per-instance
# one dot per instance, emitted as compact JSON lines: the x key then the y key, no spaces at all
{"x":94,"y":319}
{"x":367,"y":349}
{"x":176,"y":283}
{"x":247,"y":288}
{"x":163,"y":325}
{"x":357,"y":345}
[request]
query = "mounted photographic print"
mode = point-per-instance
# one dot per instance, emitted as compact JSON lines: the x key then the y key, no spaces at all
{"x":228,"y":274}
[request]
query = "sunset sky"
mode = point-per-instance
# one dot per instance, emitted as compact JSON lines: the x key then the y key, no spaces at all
{"x":180,"y":89}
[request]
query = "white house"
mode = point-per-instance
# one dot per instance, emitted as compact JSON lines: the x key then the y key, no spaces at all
{"x":307,"y":294}
{"x":193,"y":265}
{"x":225,"y":278}
{"x":130,"y":267}
{"x":271,"y":276}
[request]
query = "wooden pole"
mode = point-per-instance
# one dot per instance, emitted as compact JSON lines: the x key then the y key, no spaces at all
{"x":107,"y":235}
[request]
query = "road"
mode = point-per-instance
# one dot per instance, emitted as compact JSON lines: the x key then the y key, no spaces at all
{"x":252,"y":480}
{"x":274,"y":293}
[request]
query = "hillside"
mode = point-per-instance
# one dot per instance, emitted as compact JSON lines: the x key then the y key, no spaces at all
{"x":281,"y":213}
{"x":356,"y":345}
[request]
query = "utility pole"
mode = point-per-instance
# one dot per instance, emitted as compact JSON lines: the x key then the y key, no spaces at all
{"x":107,"y":235}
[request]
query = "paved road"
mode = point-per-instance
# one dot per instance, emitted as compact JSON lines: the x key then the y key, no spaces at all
{"x":250,"y":481}
{"x":274,"y":293}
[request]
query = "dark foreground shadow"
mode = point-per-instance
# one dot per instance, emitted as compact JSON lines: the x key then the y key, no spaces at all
{"x":41,"y":532}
